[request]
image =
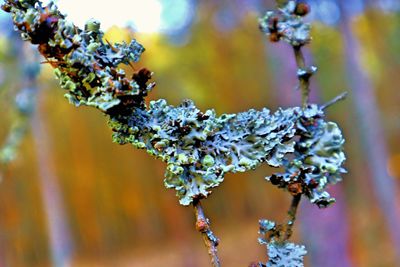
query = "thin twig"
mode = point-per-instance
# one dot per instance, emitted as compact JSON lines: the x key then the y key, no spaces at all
{"x":338,"y":98}
{"x":292,"y":216}
{"x":303,"y":79}
{"x":203,"y":226}
{"x":304,"y":85}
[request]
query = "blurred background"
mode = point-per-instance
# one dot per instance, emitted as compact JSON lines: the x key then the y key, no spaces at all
{"x":70,"y":197}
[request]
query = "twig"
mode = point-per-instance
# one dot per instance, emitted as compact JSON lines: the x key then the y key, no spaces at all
{"x":292,"y":216}
{"x":304,"y":85}
{"x":203,"y":226}
{"x":338,"y":98}
{"x":303,"y":79}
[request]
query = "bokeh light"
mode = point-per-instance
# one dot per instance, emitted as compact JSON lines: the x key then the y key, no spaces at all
{"x":150,"y":16}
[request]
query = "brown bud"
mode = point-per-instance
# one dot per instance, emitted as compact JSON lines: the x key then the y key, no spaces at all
{"x":44,"y":49}
{"x":274,"y":37}
{"x":142,"y":77}
{"x":302,"y":9}
{"x":201,"y":225}
{"x":6,"y":8}
{"x":295,"y":188}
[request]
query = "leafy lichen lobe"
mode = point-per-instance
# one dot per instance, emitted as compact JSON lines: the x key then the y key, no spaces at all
{"x":198,"y":147}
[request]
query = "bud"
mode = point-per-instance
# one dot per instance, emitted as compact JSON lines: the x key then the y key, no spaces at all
{"x":302,"y":9}
{"x":6,"y":8}
{"x":274,"y":37}
{"x":295,"y":188}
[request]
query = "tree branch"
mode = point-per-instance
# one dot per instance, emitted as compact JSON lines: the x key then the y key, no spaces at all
{"x":292,"y":216}
{"x":203,"y":226}
{"x":338,"y":98}
{"x":303,"y":75}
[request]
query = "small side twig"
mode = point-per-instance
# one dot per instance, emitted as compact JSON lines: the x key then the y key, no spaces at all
{"x":203,"y":226}
{"x":338,"y":98}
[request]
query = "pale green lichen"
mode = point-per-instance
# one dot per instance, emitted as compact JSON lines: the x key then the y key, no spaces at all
{"x":198,"y":147}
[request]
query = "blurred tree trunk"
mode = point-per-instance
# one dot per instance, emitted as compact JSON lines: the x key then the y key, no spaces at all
{"x":57,"y":223}
{"x":60,"y":238}
{"x":370,"y":129}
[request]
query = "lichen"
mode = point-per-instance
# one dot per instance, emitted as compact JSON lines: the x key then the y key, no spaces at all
{"x":317,"y":160}
{"x":280,"y":253}
{"x":286,"y":24}
{"x":285,"y":255}
{"x":199,"y":148}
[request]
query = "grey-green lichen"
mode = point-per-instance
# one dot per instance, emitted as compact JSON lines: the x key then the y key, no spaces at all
{"x":199,"y":148}
{"x":316,"y":163}
{"x":280,"y":253}
{"x":287,"y":24}
{"x":285,"y":255}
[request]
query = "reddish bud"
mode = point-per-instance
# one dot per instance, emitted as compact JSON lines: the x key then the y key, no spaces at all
{"x":302,"y":9}
{"x":274,"y":37}
{"x":295,"y":188}
{"x":201,"y":225}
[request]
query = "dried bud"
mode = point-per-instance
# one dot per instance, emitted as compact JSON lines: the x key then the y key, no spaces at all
{"x":6,"y":8}
{"x":142,"y":77}
{"x":295,"y":188}
{"x":302,"y":9}
{"x":274,"y":37}
{"x":202,"y":226}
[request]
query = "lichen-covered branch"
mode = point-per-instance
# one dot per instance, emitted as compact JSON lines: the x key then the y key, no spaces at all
{"x":199,"y":147}
{"x":287,"y":24}
{"x":314,"y":156}
{"x":203,"y":226}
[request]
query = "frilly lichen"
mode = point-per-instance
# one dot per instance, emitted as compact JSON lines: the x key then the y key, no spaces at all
{"x":198,"y":147}
{"x":287,"y":24}
{"x":280,"y":253}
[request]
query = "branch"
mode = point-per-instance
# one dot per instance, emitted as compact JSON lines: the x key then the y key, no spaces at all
{"x":191,"y":142}
{"x":338,"y":98}
{"x":303,"y":75}
{"x":203,"y":226}
{"x":292,"y":216}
